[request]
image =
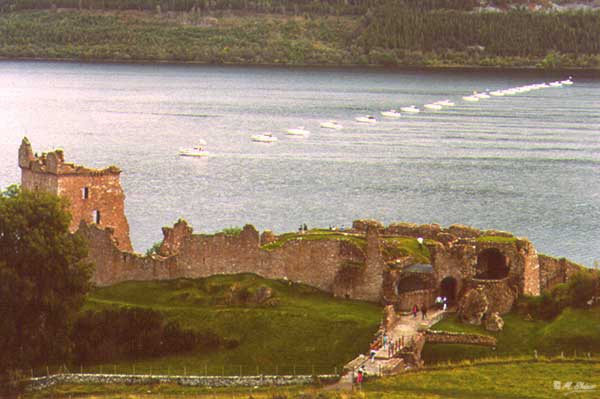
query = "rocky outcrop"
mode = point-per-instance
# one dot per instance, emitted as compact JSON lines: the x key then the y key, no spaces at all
{"x":493,"y":322}
{"x":473,"y":306}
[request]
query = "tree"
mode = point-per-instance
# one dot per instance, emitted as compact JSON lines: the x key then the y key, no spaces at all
{"x":43,"y":279}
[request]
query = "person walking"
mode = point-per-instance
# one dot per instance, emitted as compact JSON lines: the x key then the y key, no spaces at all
{"x":415,"y":310}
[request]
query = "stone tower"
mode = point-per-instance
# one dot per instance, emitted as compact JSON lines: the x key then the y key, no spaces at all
{"x":95,"y":195}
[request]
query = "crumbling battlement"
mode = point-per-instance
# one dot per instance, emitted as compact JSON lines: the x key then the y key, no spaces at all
{"x":95,"y":195}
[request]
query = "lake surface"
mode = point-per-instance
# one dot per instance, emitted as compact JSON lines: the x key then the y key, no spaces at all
{"x":527,"y":163}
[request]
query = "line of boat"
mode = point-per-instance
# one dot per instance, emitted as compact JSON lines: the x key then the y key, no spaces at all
{"x":199,"y":150}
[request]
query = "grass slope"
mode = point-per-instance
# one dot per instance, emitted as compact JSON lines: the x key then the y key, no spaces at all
{"x":306,"y":327}
{"x":573,"y":331}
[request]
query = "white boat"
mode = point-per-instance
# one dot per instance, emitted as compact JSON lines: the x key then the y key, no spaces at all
{"x":482,"y":95}
{"x":195,"y":151}
{"x":497,"y":93}
{"x":471,"y":98}
{"x":568,"y":81}
{"x":411,"y":109}
{"x":298,"y":131}
{"x":555,"y":84}
{"x":263,"y":138}
{"x":366,"y":119}
{"x":392,"y":113}
{"x":433,"y":106}
{"x":331,"y":125}
{"x":445,"y":103}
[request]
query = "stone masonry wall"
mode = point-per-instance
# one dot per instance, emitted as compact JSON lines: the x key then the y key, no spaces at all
{"x":313,"y":262}
{"x":444,"y":337}
{"x":36,"y":384}
{"x":555,"y":271}
{"x":92,"y":193}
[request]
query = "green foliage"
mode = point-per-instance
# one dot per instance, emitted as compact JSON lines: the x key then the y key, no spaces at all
{"x":580,"y":289}
{"x":434,"y":35}
{"x":43,"y":279}
{"x":112,"y":334}
{"x":154,"y":248}
{"x":11,"y":191}
{"x":232,"y":231}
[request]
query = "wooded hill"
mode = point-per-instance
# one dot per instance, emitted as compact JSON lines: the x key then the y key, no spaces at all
{"x":331,"y":32}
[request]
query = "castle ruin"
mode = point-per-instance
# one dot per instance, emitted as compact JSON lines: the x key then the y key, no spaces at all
{"x":400,"y":264}
{"x":95,"y":195}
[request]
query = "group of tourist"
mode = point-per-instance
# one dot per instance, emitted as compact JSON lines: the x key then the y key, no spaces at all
{"x":415,"y":311}
{"x":441,"y":302}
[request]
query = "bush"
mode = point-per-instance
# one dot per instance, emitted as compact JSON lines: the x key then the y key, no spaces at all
{"x":577,"y":292}
{"x":116,"y":333}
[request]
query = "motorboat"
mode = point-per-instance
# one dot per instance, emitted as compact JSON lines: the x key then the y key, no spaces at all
{"x":366,"y":119}
{"x":568,"y":81}
{"x":331,"y":125}
{"x":471,"y":98}
{"x":482,"y":95}
{"x":392,"y":113}
{"x":497,"y":93}
{"x":263,"y":138}
{"x":410,"y":109}
{"x":195,"y":151}
{"x":433,"y":106}
{"x":555,"y":84}
{"x":298,"y":131}
{"x":445,"y":103}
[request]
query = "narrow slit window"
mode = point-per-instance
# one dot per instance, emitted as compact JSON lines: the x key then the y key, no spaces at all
{"x":96,"y":216}
{"x":85,"y":193}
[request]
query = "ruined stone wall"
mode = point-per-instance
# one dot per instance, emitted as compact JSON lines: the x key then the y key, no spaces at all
{"x":500,"y":293}
{"x":444,"y":337}
{"x":313,"y":262}
{"x":104,"y":195}
{"x":555,"y":271}
{"x":405,"y":301}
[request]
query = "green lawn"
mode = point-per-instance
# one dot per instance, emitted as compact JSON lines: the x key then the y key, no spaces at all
{"x":573,"y":331}
{"x":305,"y":330}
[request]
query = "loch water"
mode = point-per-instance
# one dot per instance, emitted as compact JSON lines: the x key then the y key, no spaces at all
{"x":528,"y":163}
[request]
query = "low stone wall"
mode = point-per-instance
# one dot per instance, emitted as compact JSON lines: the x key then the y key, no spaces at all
{"x":194,"y":381}
{"x":444,"y":337}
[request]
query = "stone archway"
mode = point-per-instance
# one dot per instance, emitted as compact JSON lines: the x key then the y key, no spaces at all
{"x":491,"y":265}
{"x":448,"y":289}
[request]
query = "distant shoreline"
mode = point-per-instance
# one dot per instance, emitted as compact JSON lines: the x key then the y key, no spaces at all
{"x":458,"y":68}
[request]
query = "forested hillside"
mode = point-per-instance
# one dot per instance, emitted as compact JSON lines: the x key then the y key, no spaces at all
{"x":305,"y":32}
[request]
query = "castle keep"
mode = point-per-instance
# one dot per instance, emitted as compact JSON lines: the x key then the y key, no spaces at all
{"x":400,"y":264}
{"x":95,"y":195}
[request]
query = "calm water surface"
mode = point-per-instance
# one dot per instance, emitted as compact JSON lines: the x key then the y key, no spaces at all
{"x":528,"y":163}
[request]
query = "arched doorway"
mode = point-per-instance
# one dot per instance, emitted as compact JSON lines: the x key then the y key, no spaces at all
{"x":491,"y":265}
{"x":448,"y":289}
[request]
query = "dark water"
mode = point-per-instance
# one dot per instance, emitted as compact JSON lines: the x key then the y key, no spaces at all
{"x":528,"y":163}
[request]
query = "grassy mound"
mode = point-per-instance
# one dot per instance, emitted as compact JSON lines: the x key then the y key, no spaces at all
{"x":573,"y":331}
{"x":292,"y":328}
